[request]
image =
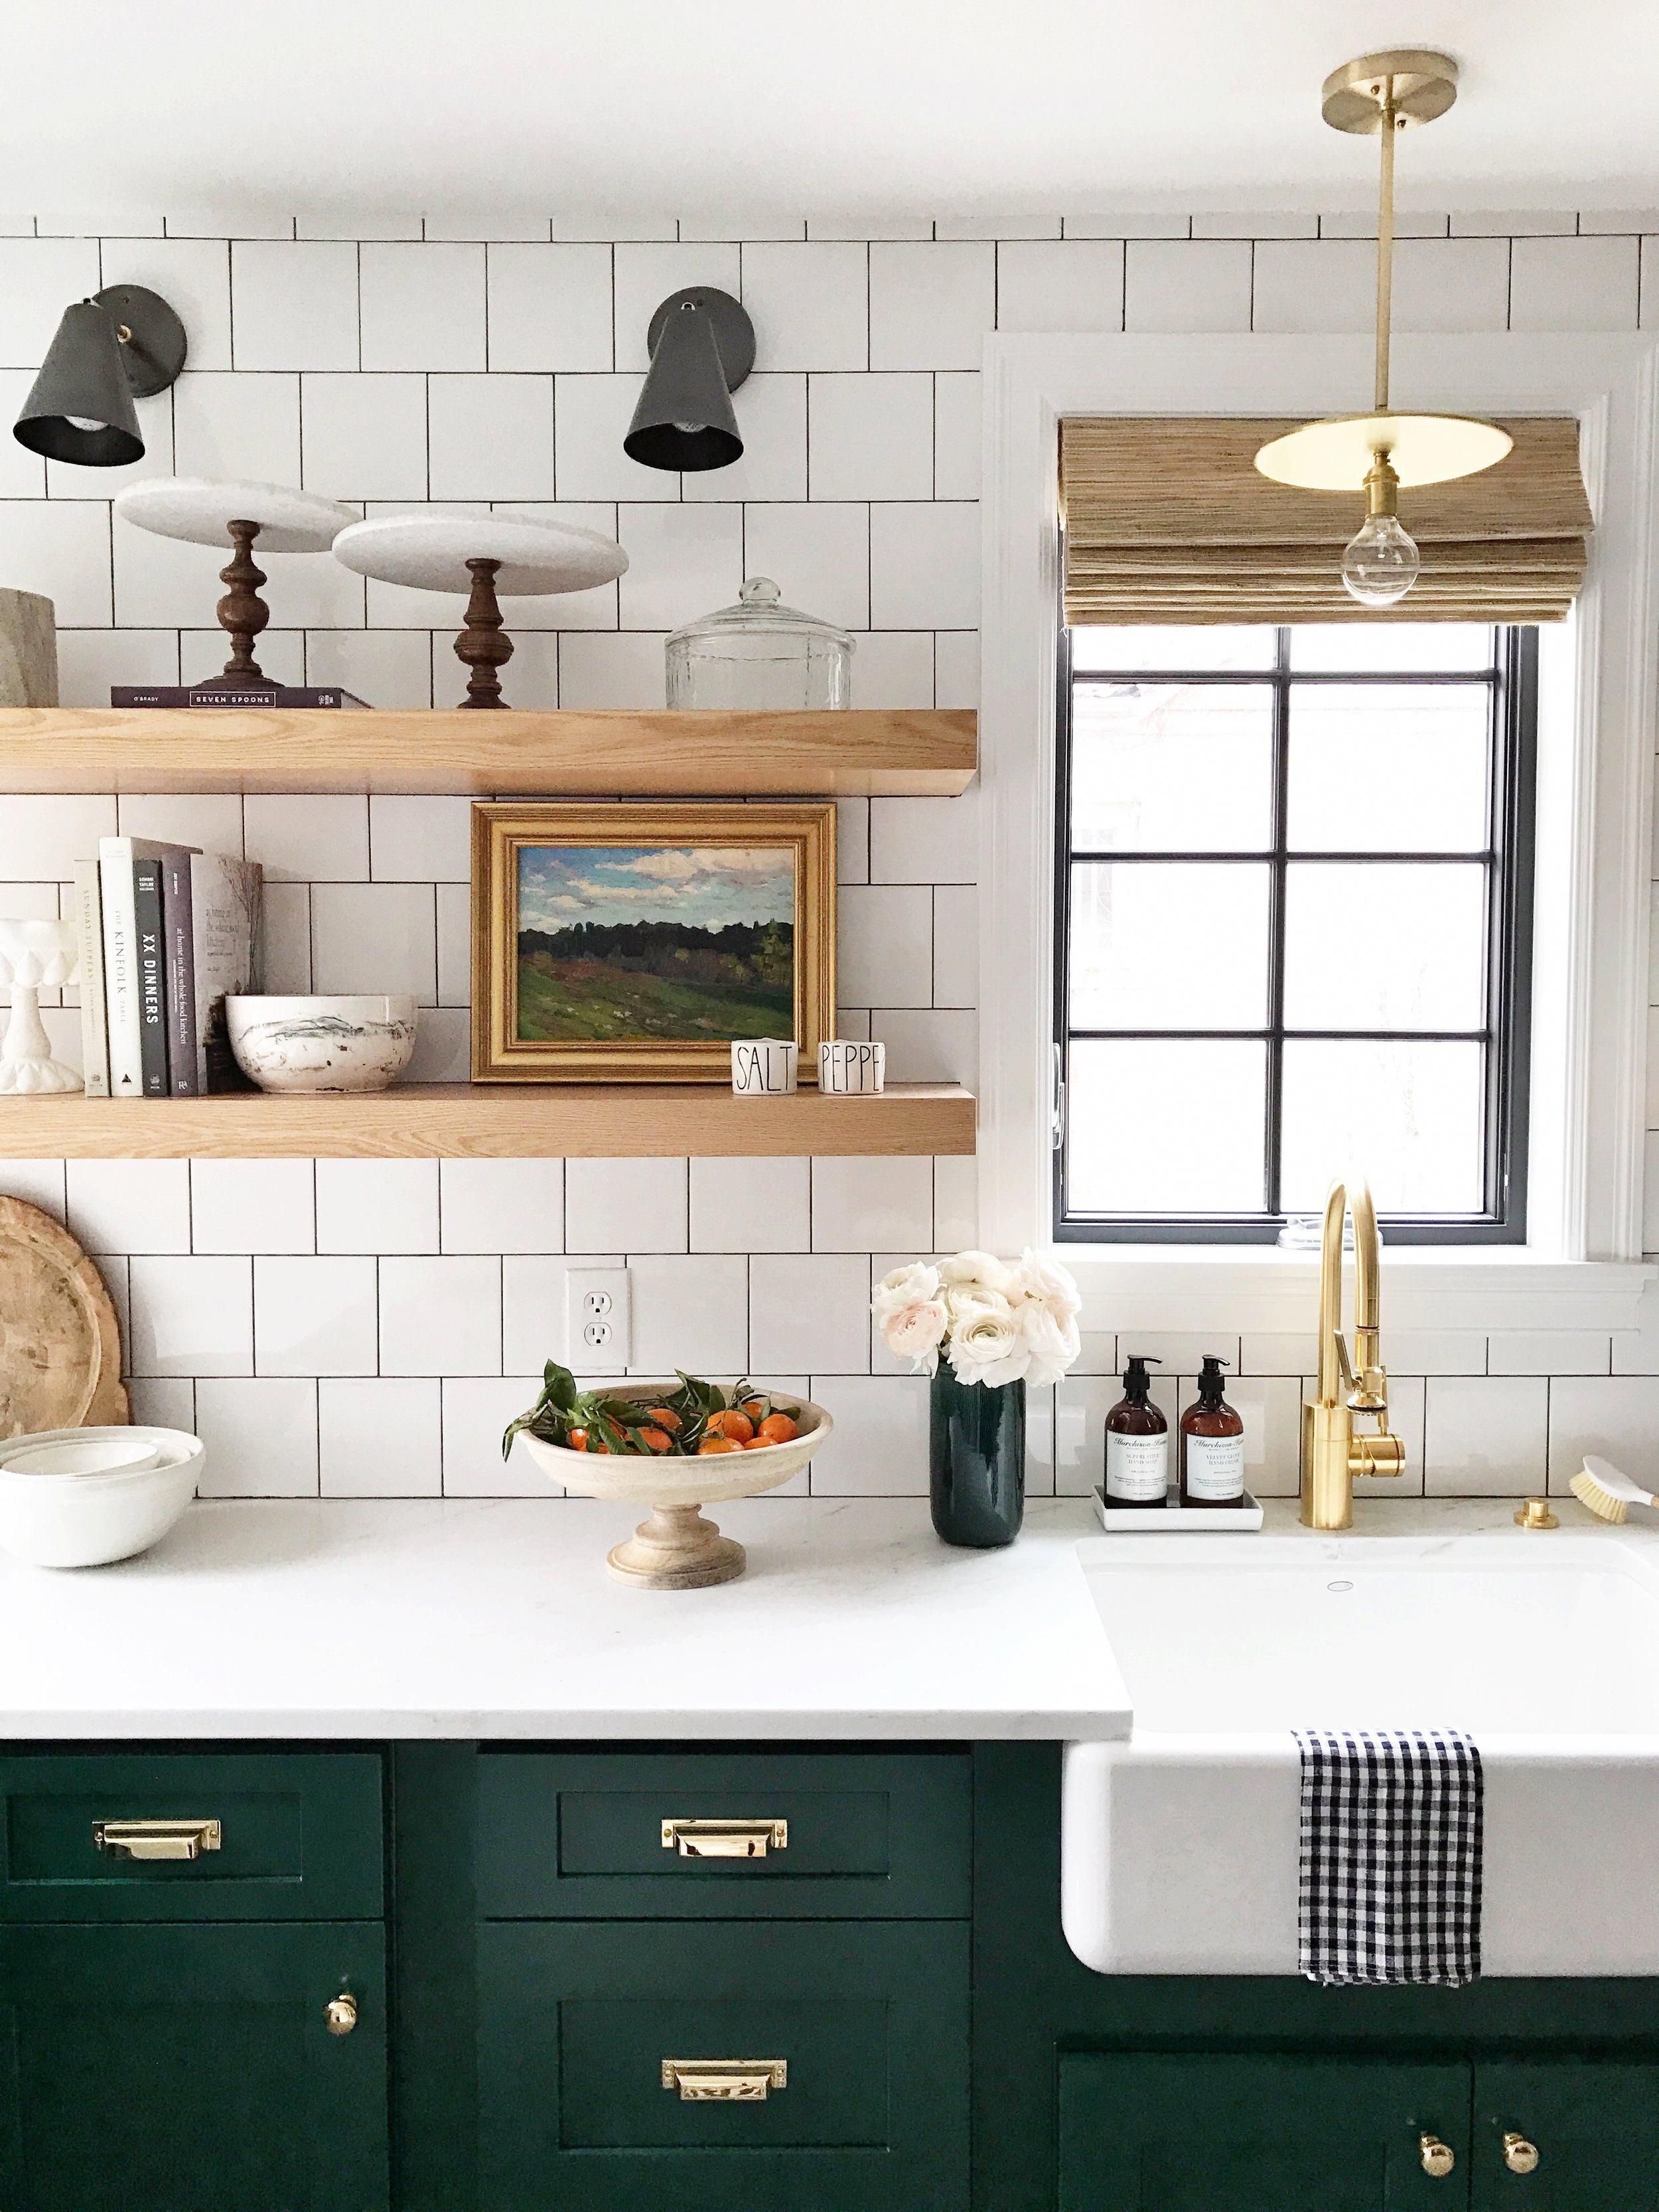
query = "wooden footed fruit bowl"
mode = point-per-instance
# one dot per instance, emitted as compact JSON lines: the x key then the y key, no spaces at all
{"x":675,"y":1549}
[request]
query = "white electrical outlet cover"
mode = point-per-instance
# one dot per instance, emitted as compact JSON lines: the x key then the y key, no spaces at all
{"x":598,"y":1318}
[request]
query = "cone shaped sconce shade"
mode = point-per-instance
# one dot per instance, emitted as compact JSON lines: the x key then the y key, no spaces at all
{"x":702,"y":347}
{"x":123,"y":343}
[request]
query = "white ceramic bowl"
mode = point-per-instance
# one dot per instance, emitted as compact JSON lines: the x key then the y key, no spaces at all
{"x":67,"y":1520}
{"x":322,"y":1044}
{"x":82,"y":1452}
{"x":676,"y":1549}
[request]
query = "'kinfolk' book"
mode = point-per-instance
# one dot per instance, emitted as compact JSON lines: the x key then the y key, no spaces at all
{"x":95,"y":1009}
{"x":253,"y":695}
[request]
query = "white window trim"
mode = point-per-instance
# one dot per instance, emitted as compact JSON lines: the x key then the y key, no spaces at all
{"x":1582,"y":1266}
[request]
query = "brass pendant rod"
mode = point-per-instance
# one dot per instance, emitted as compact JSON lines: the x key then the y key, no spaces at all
{"x":1385,"y":246}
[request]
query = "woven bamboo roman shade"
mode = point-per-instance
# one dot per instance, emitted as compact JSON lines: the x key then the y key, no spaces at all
{"x":1167,"y":520}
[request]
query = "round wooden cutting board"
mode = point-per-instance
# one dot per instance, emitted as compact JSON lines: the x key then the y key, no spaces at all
{"x":60,"y":1344}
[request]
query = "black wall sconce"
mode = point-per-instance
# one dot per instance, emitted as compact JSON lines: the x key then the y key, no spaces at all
{"x":123,"y":343}
{"x":702,"y":347}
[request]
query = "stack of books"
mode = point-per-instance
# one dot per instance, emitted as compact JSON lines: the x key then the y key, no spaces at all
{"x":218,"y":693}
{"x":166,"y":933}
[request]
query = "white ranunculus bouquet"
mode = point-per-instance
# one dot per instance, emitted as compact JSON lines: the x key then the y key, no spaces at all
{"x":997,"y":1321}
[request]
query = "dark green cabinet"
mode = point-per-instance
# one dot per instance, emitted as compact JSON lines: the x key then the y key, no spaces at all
{"x":538,"y":1973}
{"x":1288,"y":2132}
{"x":191,"y":2070}
{"x":589,"y":2033}
{"x":1258,"y":2134}
{"x":1591,"y":2124}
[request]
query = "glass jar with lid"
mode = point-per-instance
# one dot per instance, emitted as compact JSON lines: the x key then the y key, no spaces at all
{"x":760,"y":654}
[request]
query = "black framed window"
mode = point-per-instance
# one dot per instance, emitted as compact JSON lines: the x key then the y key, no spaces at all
{"x":1293,"y":929}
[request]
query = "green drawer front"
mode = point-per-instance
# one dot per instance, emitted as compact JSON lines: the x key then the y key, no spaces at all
{"x":299,"y":1836}
{"x":871,"y":2022}
{"x":578,"y":1836}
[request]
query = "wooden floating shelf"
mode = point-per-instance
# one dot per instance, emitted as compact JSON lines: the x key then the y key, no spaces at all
{"x":462,"y":1121}
{"x":873,"y":751}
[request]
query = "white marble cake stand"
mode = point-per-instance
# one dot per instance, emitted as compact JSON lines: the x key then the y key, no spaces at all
{"x":482,"y":552}
{"x":207,"y":513}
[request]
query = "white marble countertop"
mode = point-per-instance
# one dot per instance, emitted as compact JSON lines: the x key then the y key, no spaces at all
{"x":456,"y":1618}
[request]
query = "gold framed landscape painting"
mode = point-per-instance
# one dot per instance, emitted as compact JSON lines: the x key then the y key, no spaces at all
{"x":634,"y":943}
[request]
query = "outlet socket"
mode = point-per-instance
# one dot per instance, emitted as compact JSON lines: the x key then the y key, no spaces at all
{"x":599,"y":1319}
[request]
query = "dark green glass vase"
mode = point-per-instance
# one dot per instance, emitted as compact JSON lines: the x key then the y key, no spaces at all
{"x":977,"y":1447}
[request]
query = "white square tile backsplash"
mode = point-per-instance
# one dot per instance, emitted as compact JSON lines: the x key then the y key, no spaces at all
{"x":347,"y":1324}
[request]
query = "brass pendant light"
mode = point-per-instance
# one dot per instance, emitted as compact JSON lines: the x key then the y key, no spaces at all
{"x":1382,"y":452}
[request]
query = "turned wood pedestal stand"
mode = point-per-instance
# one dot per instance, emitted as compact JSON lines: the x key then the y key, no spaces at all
{"x":280,"y":517}
{"x":481,"y":553}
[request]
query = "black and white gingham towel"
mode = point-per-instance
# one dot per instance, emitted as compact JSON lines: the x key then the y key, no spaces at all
{"x":1391,"y":1853}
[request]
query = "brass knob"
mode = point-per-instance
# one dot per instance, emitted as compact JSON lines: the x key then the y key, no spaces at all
{"x":1519,"y":2155}
{"x":341,"y":2014}
{"x":1438,"y":2158}
{"x":1536,"y":1514}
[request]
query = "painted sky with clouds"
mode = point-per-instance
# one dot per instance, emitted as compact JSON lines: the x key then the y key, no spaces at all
{"x":704,"y":886}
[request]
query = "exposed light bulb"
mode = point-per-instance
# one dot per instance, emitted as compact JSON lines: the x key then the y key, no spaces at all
{"x":1380,"y":562}
{"x":84,"y":422}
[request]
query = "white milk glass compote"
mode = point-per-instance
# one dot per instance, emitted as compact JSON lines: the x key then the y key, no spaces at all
{"x":35,"y":956}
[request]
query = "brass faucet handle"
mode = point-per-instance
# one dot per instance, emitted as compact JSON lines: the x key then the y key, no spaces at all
{"x":1382,"y":1454}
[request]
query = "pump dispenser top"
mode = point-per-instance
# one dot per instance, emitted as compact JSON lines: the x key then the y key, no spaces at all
{"x":1136,"y":1381}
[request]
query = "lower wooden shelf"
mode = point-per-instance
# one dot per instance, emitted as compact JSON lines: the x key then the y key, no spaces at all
{"x":460,"y":1121}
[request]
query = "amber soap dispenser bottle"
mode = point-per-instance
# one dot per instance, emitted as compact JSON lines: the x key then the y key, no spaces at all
{"x":1212,"y":1444}
{"x":1136,"y":1443}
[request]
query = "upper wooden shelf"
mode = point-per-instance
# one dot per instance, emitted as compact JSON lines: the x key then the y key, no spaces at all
{"x":873,"y":751}
{"x":462,"y":1121}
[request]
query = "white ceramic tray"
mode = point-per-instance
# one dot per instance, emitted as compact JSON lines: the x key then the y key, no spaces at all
{"x":1179,"y":1519}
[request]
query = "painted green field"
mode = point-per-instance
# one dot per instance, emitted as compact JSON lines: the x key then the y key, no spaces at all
{"x":599,"y":1001}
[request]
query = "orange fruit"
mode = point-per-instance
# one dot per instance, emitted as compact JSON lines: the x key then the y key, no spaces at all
{"x":718,"y":1444}
{"x":732,"y":1423}
{"x":663,"y":1417}
{"x":577,"y":1440}
{"x":778,"y":1429}
{"x":757,"y":1444}
{"x":756,"y":1409}
{"x":654,"y":1439}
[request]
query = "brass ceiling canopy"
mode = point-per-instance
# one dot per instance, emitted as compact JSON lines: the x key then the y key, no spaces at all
{"x":1425,"y":84}
{"x":1382,"y":95}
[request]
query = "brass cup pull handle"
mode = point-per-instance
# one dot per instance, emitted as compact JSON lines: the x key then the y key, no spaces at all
{"x":156,"y":1839}
{"x":1438,"y":2158}
{"x":725,"y":1839}
{"x":340,"y":2013}
{"x":724,"y":2081}
{"x":1519,"y":2155}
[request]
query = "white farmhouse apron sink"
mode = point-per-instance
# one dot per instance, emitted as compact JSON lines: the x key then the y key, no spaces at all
{"x":1180,"y":1844}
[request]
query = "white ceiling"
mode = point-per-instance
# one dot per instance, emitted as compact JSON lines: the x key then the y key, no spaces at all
{"x":660,"y":107}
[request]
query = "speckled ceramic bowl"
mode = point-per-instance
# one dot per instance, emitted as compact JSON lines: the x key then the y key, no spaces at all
{"x":322,"y":1044}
